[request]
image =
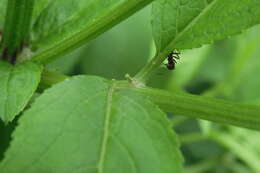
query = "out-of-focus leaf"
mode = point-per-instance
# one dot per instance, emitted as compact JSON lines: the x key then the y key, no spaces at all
{"x":185,"y":24}
{"x":124,"y":49}
{"x":70,"y":63}
{"x":67,"y":24}
{"x":88,"y":124}
{"x":18,"y":84}
{"x":214,"y":68}
{"x":245,"y":144}
{"x":218,"y":61}
{"x":241,"y":81}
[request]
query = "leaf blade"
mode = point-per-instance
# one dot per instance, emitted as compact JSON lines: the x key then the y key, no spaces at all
{"x":18,"y":85}
{"x":201,"y":22}
{"x":126,"y":134}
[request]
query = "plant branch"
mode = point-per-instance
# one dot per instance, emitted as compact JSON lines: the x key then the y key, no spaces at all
{"x":50,"y":78}
{"x":192,"y":137}
{"x":144,"y":74}
{"x":194,"y":106}
{"x":16,"y":28}
{"x":89,"y":32}
{"x":211,"y":109}
{"x":203,"y":166}
{"x":177,"y":120}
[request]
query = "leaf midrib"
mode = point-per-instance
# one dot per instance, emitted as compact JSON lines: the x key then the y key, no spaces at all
{"x":192,"y":23}
{"x":100,"y":166}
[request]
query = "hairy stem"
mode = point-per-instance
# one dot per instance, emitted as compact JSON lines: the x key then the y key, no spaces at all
{"x":211,"y":109}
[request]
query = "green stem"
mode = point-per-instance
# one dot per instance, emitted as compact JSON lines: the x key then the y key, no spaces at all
{"x":50,"y":52}
{"x":189,"y":105}
{"x":145,"y":73}
{"x":16,"y":28}
{"x":50,"y":78}
{"x":203,"y":166}
{"x":211,"y":109}
{"x":192,"y":137}
{"x":177,"y":120}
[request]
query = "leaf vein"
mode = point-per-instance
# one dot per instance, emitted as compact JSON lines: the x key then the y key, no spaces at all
{"x":193,"y":22}
{"x":100,"y":166}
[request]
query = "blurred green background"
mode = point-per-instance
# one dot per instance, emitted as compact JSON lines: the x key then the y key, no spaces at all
{"x":228,"y":69}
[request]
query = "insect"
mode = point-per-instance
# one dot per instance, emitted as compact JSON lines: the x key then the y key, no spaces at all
{"x":172,"y":60}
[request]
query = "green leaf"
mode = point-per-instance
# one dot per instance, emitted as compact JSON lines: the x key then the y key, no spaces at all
{"x":38,"y":8}
{"x":216,"y":66}
{"x":18,"y":84}
{"x":65,"y":25}
{"x":88,"y":124}
{"x":185,"y":24}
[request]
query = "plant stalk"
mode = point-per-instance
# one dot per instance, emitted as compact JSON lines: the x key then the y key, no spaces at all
{"x":16,"y":28}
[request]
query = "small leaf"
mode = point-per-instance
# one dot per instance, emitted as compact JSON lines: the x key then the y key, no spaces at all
{"x":88,"y":124}
{"x":18,"y":84}
{"x":184,"y":24}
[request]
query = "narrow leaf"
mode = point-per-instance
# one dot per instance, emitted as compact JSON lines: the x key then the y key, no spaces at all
{"x":179,"y":24}
{"x":65,"y":25}
{"x":18,"y":84}
{"x":88,"y":124}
